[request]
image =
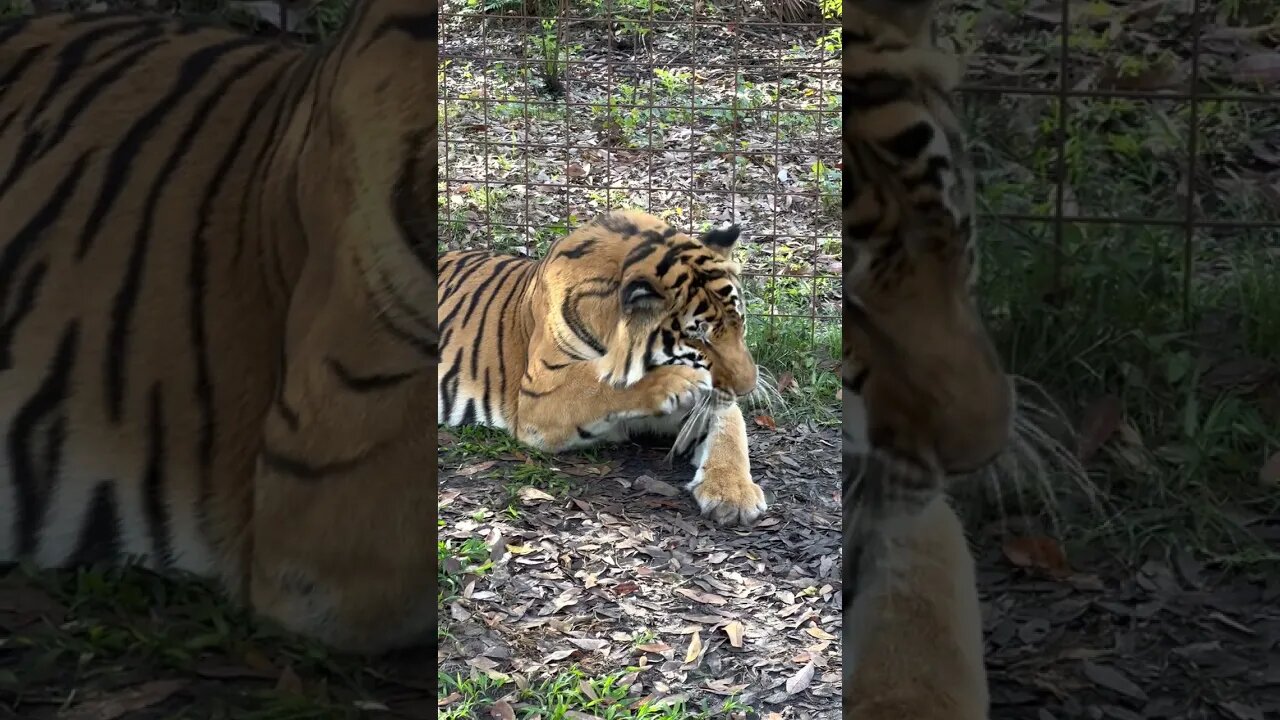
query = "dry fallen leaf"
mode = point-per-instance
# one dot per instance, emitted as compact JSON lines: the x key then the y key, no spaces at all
{"x":124,"y":702}
{"x":702,"y":597}
{"x":1038,"y":552}
{"x":735,"y":631}
{"x":626,"y":587}
{"x":289,"y":683}
{"x":800,"y":680}
{"x":529,"y":494}
{"x":502,"y":710}
{"x":1101,"y":420}
{"x":476,"y":468}
{"x":819,"y":633}
{"x":658,"y":487}
{"x":695,"y":648}
{"x":1261,"y":68}
{"x":786,"y":381}
{"x":1269,"y":475}
{"x":657,"y":648}
{"x":520,"y":549}
{"x":589,"y":643}
{"x":1112,"y":679}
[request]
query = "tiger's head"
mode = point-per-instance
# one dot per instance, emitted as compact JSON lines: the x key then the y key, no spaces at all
{"x":923,"y":381}
{"x":665,"y":298}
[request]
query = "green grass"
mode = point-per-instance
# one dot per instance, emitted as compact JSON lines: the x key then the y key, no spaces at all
{"x":94,"y":631}
{"x":610,"y":696}
{"x":1112,"y":310}
{"x":1188,"y":459}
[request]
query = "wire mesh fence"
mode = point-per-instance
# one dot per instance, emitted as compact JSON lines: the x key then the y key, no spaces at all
{"x":1129,"y":164}
{"x":552,"y":112}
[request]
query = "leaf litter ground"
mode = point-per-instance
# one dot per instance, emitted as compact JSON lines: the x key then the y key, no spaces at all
{"x":1101,"y":638}
{"x":621,"y":572}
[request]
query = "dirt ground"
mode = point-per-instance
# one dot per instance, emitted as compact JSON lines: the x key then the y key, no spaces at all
{"x":1169,"y":638}
{"x":624,"y":572}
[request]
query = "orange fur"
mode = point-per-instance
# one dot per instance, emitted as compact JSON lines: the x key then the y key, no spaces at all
{"x":623,"y":327}
{"x":225,"y":359}
{"x":925,"y":394}
{"x":913,"y":639}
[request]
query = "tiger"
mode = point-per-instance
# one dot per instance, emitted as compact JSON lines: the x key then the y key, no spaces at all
{"x":626,"y":326}
{"x":217,"y":264}
{"x":925,"y":396}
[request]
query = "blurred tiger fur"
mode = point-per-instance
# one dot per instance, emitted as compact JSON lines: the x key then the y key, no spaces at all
{"x":218,"y":322}
{"x":925,"y":395}
{"x":624,"y":327}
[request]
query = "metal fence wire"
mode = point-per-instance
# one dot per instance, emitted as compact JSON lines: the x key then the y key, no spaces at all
{"x":552,"y":112}
{"x":1120,"y":133}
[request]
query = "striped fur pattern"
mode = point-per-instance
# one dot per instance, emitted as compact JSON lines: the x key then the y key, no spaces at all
{"x":924,"y":393}
{"x":624,"y":327}
{"x":216,"y":317}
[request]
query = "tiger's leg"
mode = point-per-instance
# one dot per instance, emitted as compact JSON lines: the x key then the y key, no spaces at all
{"x":914,"y":631}
{"x":571,"y":407}
{"x":722,"y":484}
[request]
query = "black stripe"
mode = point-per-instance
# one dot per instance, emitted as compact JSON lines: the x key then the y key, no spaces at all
{"x":279,"y":462}
{"x":34,"y":480}
{"x":14,"y":74}
{"x":76,"y":108}
{"x":579,"y":251}
{"x":672,"y":255}
{"x":100,"y":532}
{"x":24,"y":303}
{"x":419,"y":27}
{"x":10,"y":28}
{"x":428,"y":346}
{"x":72,"y":59}
{"x":287,"y":106}
{"x":197,"y":289}
{"x":873,"y":89}
{"x":573,"y":318}
{"x":500,"y":273}
{"x":911,"y":141}
{"x":154,"y":503}
{"x":190,"y":77}
{"x":24,"y":242}
{"x":365,"y":383}
{"x":409,"y":201}
{"x":449,"y":385}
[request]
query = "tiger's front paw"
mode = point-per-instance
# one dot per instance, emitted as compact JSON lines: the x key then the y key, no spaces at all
{"x":674,"y":387}
{"x":728,"y":496}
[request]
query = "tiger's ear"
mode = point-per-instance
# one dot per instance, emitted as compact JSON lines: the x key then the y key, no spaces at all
{"x":640,"y":295}
{"x":722,"y":240}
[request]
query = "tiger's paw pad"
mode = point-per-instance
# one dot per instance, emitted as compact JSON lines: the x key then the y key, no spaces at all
{"x":737,"y":502}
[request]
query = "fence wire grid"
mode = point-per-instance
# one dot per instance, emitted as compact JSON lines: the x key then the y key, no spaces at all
{"x":1126,"y":150}
{"x":552,"y":112}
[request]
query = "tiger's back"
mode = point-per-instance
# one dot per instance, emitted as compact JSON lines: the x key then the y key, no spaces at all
{"x":214,"y":255}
